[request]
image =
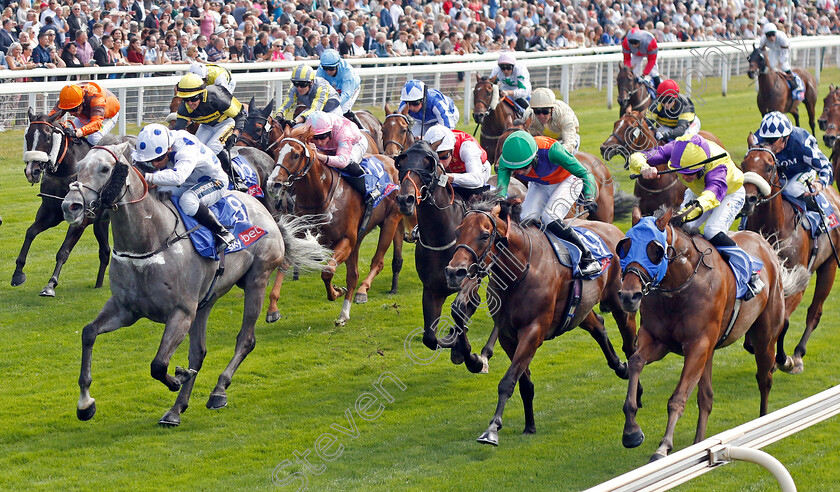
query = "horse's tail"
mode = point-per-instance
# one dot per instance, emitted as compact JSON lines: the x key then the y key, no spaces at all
{"x":303,"y":251}
{"x":623,"y":203}
{"x":794,"y":280}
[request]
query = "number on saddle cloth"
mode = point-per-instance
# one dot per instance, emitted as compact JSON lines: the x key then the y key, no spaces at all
{"x":376,"y":178}
{"x":248,"y":175}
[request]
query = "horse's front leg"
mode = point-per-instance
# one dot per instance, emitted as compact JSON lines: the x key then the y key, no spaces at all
{"x":386,"y":237}
{"x":705,"y":401}
{"x":176,"y":329}
{"x":352,"y":265}
{"x":74,"y":233}
{"x":594,"y":324}
{"x":198,"y":349}
{"x":100,"y":232}
{"x":825,"y":281}
{"x":649,"y":350}
{"x":521,"y":352}
{"x":45,"y":218}
{"x":432,"y":307}
{"x":112,"y":317}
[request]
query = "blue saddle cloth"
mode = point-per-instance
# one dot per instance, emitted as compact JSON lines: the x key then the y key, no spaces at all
{"x":376,"y":178}
{"x":813,"y":218}
{"x":743,"y":265}
{"x":248,"y":175}
{"x":569,"y":255}
{"x":797,"y":87}
{"x":232,"y":214}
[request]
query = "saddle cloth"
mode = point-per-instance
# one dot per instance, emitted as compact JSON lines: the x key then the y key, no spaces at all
{"x":376,"y":178}
{"x":813,"y":219}
{"x":797,"y":87}
{"x":743,"y":265}
{"x":232,"y":214}
{"x":569,"y":255}
{"x":243,"y":168}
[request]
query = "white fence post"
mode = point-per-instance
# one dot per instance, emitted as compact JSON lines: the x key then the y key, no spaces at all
{"x":123,"y":95}
{"x":467,"y":97}
{"x":565,"y":83}
{"x":609,"y":83}
{"x":140,"y":94}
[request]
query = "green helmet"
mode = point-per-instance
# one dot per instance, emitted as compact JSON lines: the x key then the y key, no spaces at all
{"x":519,"y":150}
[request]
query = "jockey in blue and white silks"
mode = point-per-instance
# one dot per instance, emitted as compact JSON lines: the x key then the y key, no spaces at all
{"x":798,"y":157}
{"x":341,"y":76}
{"x":439,"y":109}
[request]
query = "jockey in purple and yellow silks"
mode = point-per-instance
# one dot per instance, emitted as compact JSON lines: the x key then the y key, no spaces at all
{"x":715,"y":189}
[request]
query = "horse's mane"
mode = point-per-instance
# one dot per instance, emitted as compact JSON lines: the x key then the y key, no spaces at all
{"x":510,"y":208}
{"x":484,"y":78}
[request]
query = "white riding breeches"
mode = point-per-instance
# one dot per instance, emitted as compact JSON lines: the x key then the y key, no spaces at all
{"x":720,"y":218}
{"x":348,"y":104}
{"x":207,"y":193}
{"x":209,"y":134}
{"x":551,"y":202}
{"x":638,"y":64}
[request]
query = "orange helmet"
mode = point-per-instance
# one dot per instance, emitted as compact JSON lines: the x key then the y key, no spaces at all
{"x":668,"y":87}
{"x":71,"y":97}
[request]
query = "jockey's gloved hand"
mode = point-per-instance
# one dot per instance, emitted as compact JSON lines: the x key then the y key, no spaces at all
{"x":694,"y":210}
{"x":589,"y":205}
{"x":231,"y":141}
{"x":70,"y":131}
{"x":659,"y":136}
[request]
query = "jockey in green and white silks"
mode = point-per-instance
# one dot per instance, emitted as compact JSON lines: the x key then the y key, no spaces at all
{"x":513,"y":78}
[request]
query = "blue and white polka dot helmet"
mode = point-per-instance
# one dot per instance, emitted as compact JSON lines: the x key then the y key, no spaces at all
{"x":152,"y":143}
{"x":774,"y":125}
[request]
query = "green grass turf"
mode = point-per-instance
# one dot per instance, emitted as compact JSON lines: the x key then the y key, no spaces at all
{"x":305,"y":373}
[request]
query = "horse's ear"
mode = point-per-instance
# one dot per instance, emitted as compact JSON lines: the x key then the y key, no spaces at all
{"x":53,"y":117}
{"x":751,"y":140}
{"x":830,"y":87}
{"x":30,"y":114}
{"x":251,"y":104}
{"x":435,"y":145}
{"x":270,"y":108}
{"x":125,"y":149}
{"x":286,"y":130}
{"x":387,"y":109}
{"x":661,"y":222}
{"x":636,"y":215}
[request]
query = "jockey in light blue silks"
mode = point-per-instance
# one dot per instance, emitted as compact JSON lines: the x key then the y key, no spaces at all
{"x":344,"y":79}
{"x":798,"y":158}
{"x":714,"y":191}
{"x":428,"y":107}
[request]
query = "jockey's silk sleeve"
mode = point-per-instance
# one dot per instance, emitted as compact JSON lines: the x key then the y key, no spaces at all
{"x":557,"y":154}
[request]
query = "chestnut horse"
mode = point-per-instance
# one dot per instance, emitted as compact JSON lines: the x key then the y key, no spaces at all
{"x":774,"y":93}
{"x":689,"y":312}
{"x":531,"y":290}
{"x":494,"y":120}
{"x":632,"y":96}
{"x":769,"y":214}
{"x":829,"y":120}
{"x":319,"y":189}
{"x":396,"y":133}
{"x":632,"y":133}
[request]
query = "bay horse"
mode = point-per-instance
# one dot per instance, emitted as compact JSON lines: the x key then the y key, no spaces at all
{"x":319,"y":189}
{"x":774,"y":93}
{"x":396,"y":133}
{"x":492,"y":114}
{"x":774,"y":217}
{"x":52,"y":159}
{"x":689,"y":312}
{"x":531,"y":290}
{"x":157,"y":276}
{"x":632,"y":96}
{"x":830,"y":117}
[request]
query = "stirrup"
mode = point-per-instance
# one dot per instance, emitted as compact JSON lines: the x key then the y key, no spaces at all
{"x":589,"y":267}
{"x":754,"y":287}
{"x":224,"y":241}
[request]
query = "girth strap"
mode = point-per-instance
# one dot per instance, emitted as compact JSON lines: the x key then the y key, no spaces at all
{"x":575,"y":294}
{"x":735,"y":310}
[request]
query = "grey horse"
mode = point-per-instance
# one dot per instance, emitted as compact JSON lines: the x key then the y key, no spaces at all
{"x":156,"y":274}
{"x":52,"y":159}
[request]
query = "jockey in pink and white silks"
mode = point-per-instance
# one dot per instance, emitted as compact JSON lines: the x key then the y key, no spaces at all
{"x":341,"y":145}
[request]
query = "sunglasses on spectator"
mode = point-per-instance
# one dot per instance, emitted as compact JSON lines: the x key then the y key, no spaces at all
{"x":301,"y":84}
{"x":505,"y":67}
{"x":323,"y":136}
{"x":194,"y":98}
{"x":445,"y":155}
{"x":542,"y":111}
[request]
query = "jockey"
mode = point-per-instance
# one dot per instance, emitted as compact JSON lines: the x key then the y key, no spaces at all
{"x":312,"y":91}
{"x":219,"y":115}
{"x":555,"y":179}
{"x":94,"y":109}
{"x":339,"y":74}
{"x":714,"y":191}
{"x":465,"y":162}
{"x":798,"y":157}
{"x":553,"y":118}
{"x":341,"y":145}
{"x":176,"y":162}
{"x":428,"y":107}
{"x":778,"y":55}
{"x":213,"y":74}
{"x":638,"y":46}
{"x":673,"y":112}
{"x":514,"y":79}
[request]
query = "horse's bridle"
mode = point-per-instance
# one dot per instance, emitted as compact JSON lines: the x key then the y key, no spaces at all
{"x":97,"y":203}
{"x":425,"y":192}
{"x":485,"y":103}
{"x":409,"y":133}
{"x":52,"y":167}
{"x":775,"y":180}
{"x":310,"y":160}
{"x":481,"y":270}
{"x":648,"y":284}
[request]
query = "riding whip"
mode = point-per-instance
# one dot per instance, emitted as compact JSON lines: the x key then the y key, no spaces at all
{"x":701,"y":163}
{"x":824,"y":226}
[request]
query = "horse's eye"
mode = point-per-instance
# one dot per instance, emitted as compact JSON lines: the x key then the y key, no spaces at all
{"x":768,"y":168}
{"x":295,"y":155}
{"x":259,"y":126}
{"x":484,"y":236}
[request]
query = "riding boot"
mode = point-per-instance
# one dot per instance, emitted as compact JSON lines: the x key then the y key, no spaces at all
{"x":656,"y":81}
{"x":755,"y":285}
{"x":205,"y":217}
{"x":350,"y":115}
{"x":227,"y":167}
{"x":588,"y":265}
{"x":355,"y":176}
{"x":810,"y":203}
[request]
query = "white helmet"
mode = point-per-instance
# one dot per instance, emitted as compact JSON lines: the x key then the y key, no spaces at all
{"x":439,"y":133}
{"x":413,"y":90}
{"x":769,"y":27}
{"x":507,"y":58}
{"x":199,"y":69}
{"x":543,"y":97}
{"x":153,"y":142}
{"x":774,"y":125}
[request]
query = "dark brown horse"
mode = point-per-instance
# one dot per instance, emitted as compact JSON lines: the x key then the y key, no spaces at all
{"x":531,"y":290}
{"x":829,"y":120}
{"x":494,"y":120}
{"x":263,"y":131}
{"x":689,"y":312}
{"x":632,"y":96}
{"x":773,"y":90}
{"x":632,"y":133}
{"x":769,"y":214}
{"x":319,"y":189}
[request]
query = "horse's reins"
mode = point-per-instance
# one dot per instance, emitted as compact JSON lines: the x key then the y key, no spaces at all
{"x":482,"y":270}
{"x":294,"y":177}
{"x":410,"y":134}
{"x":776,"y":182}
{"x":52,"y":167}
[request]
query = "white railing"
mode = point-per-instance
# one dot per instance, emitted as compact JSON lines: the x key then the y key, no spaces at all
{"x":740,"y":443}
{"x":146,"y":98}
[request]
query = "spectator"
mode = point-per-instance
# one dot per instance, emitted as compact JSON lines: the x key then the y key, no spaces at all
{"x":152,"y":21}
{"x":7,"y":35}
{"x":134,"y":54}
{"x":300,"y":52}
{"x":345,"y":49}
{"x":201,"y":44}
{"x":218,"y":51}
{"x":276,"y":53}
{"x":237,"y":51}
{"x":68,"y":55}
{"x":16,"y":59}
{"x":41,"y":54}
{"x":262,"y":50}
{"x":95,"y":39}
{"x":248,"y":49}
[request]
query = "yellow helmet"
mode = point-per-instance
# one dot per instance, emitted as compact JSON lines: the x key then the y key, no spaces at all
{"x":190,"y":85}
{"x":303,"y":73}
{"x":71,"y":96}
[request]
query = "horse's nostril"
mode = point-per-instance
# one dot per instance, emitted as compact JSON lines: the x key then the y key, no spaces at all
{"x":752,"y":199}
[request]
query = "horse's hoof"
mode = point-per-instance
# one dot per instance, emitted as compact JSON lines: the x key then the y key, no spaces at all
{"x":621,"y":371}
{"x":786,"y":367}
{"x":85,"y":414}
{"x":216,"y":402}
{"x":456,"y":357}
{"x":273,"y":316}
{"x":485,"y":365}
{"x":529,"y":430}
{"x":47,"y":292}
{"x":170,"y":419}
{"x":184,"y":375}
{"x":360,"y":298}
{"x":489,"y":437}
{"x":798,"y":366}
{"x":633,"y":440}
{"x":474,"y":364}
{"x":340,"y":322}
{"x":656,"y":457}
{"x":18,"y":279}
